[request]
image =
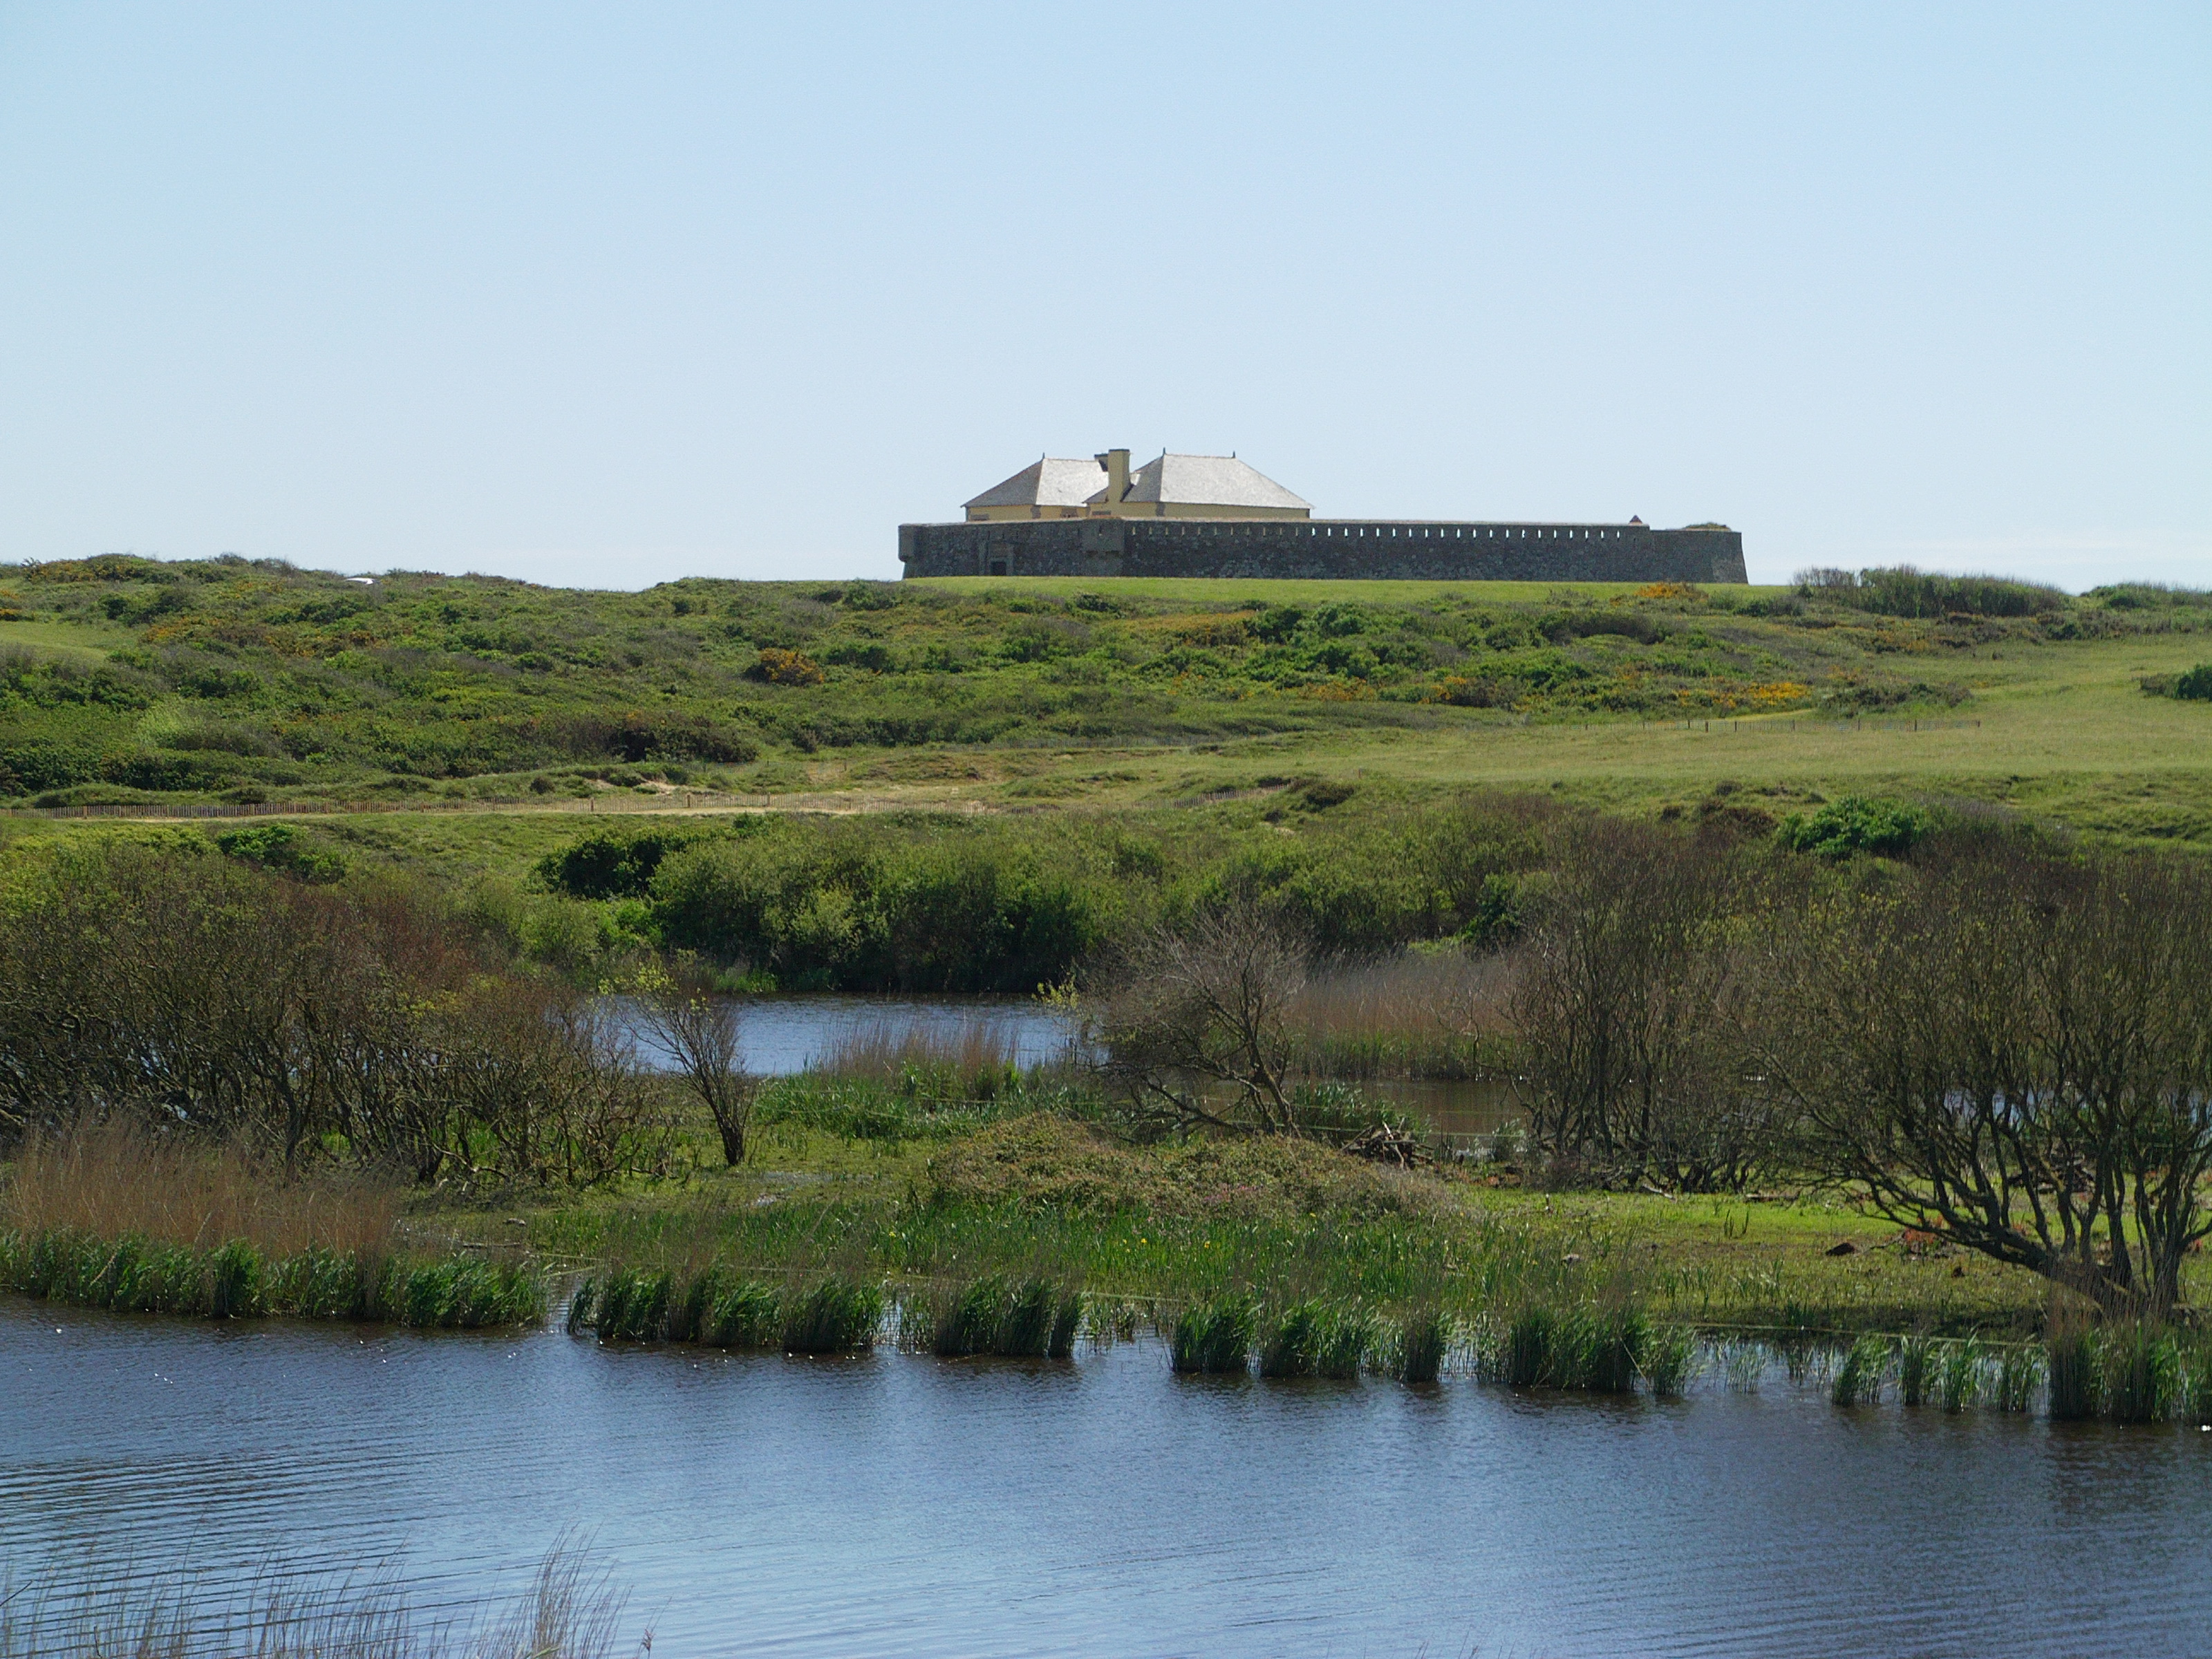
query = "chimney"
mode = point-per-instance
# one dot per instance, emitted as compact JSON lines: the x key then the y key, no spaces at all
{"x":1117,"y":463}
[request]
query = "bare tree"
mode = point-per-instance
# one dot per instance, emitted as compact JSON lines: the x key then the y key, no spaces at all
{"x":1193,"y":1025}
{"x":700,"y":1033}
{"x":2016,"y":1049}
{"x":1628,"y":1006}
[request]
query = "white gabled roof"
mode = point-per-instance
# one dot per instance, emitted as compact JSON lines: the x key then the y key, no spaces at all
{"x":1207,"y":481}
{"x":1048,"y":483}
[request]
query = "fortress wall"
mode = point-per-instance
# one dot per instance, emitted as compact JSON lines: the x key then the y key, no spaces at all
{"x":1327,"y":548}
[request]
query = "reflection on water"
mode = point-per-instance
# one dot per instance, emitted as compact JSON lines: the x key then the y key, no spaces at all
{"x":906,"y":1506}
{"x":784,"y":1035}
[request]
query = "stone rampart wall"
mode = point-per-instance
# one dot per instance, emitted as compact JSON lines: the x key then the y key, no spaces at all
{"x":1328,"y":549}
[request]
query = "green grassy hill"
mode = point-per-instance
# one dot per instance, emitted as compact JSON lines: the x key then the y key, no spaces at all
{"x":126,"y":681}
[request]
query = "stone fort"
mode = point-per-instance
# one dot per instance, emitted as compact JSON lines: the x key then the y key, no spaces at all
{"x":1215,"y":516}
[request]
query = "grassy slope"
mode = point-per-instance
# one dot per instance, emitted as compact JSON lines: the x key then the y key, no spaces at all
{"x":454,"y":692}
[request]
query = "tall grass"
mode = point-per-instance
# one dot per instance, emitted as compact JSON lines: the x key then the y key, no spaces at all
{"x":111,"y":1218}
{"x":570,"y":1611}
{"x":1316,"y":1339}
{"x":718,"y":1309}
{"x":113,"y":1180}
{"x":1028,"y":1318}
{"x":134,"y":1274}
{"x":1426,"y":1014}
{"x":1214,"y":1337}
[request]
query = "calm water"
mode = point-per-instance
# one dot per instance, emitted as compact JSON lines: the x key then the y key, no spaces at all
{"x":783,"y":1034}
{"x":899,"y":1505}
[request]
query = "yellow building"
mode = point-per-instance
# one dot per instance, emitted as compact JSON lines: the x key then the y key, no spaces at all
{"x":1166,"y":486}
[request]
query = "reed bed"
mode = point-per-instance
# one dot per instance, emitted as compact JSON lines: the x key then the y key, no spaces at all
{"x":1316,"y":1339}
{"x":236,"y":1280}
{"x":110,"y":1216}
{"x":570,"y":1611}
{"x":716,"y":1308}
{"x":1422,"y":1014}
{"x":1424,"y":1341}
{"x":113,"y":1180}
{"x":1033,"y":1318}
{"x":976,"y":1062}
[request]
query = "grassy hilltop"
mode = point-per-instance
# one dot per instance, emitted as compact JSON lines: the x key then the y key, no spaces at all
{"x":124,"y":680}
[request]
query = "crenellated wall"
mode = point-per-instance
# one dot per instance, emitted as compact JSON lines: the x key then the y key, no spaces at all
{"x":1328,"y":549}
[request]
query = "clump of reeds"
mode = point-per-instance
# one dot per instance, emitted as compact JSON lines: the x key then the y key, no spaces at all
{"x":2196,"y":1387}
{"x":1315,"y":1339}
{"x":1669,"y":1354}
{"x":1916,"y":1368}
{"x":236,"y":1280}
{"x":1744,"y":1365}
{"x":1423,"y":1339}
{"x":2139,"y":1372}
{"x":2070,"y":1368}
{"x":837,"y":1316}
{"x":2019,"y":1370}
{"x":718,"y":1309}
{"x":1858,"y":1380}
{"x":1214,"y":1337}
{"x":1959,"y":1377}
{"x":1034,"y":1318}
{"x":1593,"y":1350}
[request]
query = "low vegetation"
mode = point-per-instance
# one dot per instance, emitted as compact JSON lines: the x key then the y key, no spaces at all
{"x":129,"y":679}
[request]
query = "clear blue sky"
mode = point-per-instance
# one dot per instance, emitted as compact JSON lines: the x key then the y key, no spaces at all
{"x":606,"y":295}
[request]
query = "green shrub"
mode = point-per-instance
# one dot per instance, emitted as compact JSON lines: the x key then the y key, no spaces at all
{"x":2195,"y":685}
{"x":282,"y":846}
{"x":614,"y":863}
{"x":1856,"y":824}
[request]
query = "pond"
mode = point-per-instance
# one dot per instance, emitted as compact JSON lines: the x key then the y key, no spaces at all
{"x":784,"y":1035}
{"x":896,"y":1504}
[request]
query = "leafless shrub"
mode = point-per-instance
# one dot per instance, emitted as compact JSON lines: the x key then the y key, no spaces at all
{"x":201,"y":1000}
{"x":1195,"y":1025}
{"x":700,"y":1033}
{"x":1628,"y":1007}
